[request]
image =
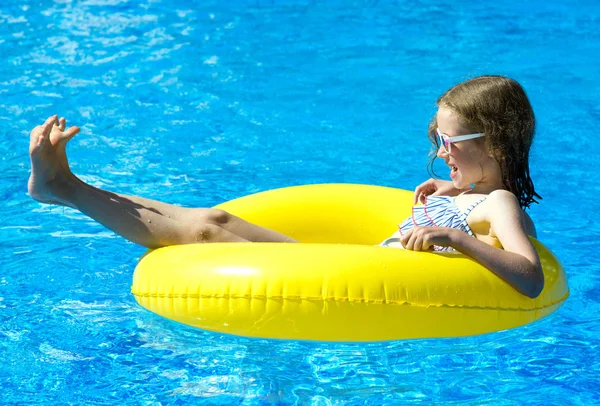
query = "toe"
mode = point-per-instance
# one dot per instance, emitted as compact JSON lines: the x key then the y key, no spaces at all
{"x":47,"y":127}
{"x":66,"y":136}
{"x":71,"y":132}
{"x":50,"y":121}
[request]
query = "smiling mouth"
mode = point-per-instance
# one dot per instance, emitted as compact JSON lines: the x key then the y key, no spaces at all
{"x":453,"y":171}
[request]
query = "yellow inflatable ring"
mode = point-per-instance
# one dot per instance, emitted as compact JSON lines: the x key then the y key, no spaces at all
{"x":338,"y":285}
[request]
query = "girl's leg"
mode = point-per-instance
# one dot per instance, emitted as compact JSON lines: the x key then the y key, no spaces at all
{"x":156,"y":224}
{"x":147,"y":222}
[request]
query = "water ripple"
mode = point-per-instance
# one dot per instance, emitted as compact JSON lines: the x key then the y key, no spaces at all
{"x":197,"y":103}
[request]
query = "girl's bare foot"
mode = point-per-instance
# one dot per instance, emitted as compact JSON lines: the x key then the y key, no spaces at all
{"x":59,"y":137}
{"x":51,"y":178}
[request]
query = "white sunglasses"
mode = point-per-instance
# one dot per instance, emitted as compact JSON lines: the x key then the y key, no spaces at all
{"x":446,"y":141}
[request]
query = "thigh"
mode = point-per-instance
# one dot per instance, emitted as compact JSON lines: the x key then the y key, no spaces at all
{"x":253,"y":232}
{"x":236,"y":225}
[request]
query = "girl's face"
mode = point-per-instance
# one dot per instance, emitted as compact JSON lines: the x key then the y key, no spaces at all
{"x":469,"y":161}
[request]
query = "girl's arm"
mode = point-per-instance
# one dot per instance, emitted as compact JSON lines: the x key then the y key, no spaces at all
{"x":522,"y":272}
{"x":435,"y":187}
{"x":517,"y":264}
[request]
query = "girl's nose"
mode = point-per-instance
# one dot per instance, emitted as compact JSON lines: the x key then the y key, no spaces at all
{"x":441,"y":152}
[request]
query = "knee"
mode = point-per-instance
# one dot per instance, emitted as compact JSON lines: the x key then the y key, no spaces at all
{"x":206,"y":233}
{"x":216,"y":217}
{"x":206,"y":225}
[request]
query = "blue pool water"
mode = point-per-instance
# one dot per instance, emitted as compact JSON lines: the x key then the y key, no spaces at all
{"x":198,"y":102}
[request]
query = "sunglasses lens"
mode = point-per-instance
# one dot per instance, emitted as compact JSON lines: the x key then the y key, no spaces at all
{"x":445,"y":142}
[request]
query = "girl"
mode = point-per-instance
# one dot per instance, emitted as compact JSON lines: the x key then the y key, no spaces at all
{"x":483,"y":130}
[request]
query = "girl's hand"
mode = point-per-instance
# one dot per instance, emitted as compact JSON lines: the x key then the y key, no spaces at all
{"x":434,"y":187}
{"x":424,"y":238}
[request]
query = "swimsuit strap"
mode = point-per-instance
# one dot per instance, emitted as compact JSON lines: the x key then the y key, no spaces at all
{"x":465,"y":214}
{"x":471,"y":207}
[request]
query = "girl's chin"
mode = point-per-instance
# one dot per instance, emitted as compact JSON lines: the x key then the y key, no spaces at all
{"x":457,"y":183}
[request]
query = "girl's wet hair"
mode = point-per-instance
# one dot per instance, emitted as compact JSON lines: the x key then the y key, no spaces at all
{"x":498,"y":107}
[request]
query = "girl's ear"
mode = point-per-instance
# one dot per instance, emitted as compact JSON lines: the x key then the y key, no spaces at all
{"x":496,"y":153}
{"x":503,"y":159}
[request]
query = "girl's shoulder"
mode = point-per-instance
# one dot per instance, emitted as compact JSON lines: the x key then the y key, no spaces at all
{"x":504,"y":195}
{"x":496,"y":198}
{"x":501,"y":202}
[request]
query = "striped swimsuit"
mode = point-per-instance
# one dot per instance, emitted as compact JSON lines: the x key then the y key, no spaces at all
{"x":438,"y":211}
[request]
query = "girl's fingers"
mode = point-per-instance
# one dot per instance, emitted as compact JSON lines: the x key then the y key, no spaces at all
{"x":405,"y":238}
{"x":62,"y":124}
{"x":411,"y":245}
{"x":408,"y":244}
{"x":427,"y":188}
{"x":418,"y":243}
{"x":417,"y":195}
{"x":417,"y":239}
{"x":425,"y":244}
{"x":419,"y":190}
